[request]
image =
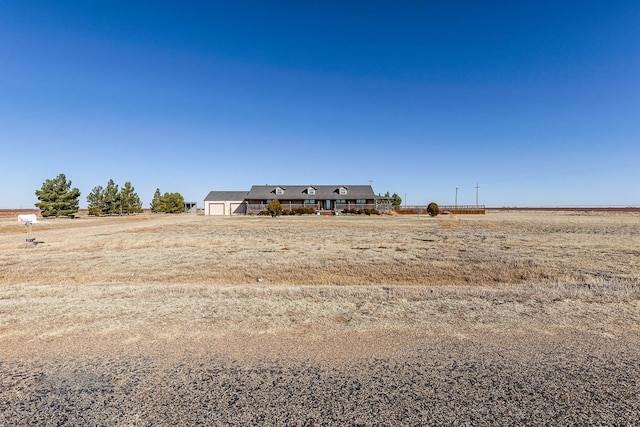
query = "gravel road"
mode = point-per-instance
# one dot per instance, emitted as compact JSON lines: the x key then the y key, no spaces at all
{"x":530,"y":379}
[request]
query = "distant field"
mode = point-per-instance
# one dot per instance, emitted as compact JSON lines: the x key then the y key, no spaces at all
{"x":536,"y":315}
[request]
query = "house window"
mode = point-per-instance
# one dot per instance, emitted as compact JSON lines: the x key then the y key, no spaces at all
{"x":361,"y":202}
{"x":310,"y":202}
{"x":279,"y":191}
{"x":342,"y":190}
{"x":311,"y":190}
{"x":341,"y":202}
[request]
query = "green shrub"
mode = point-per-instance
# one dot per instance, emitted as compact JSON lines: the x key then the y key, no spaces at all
{"x":286,"y":211}
{"x":264,"y":212}
{"x":433,"y":209}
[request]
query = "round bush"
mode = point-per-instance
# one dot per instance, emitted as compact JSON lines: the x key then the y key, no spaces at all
{"x":433,"y":209}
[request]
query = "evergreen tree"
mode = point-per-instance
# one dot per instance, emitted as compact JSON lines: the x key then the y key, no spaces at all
{"x":57,"y":198}
{"x":156,"y":203}
{"x":167,"y":202}
{"x":111,"y":199}
{"x":172,"y":203}
{"x":129,"y":201}
{"x":178,"y":203}
{"x":95,"y":199}
{"x":396,"y":201}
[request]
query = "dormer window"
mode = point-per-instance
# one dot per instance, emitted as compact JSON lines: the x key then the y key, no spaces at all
{"x":311,"y":190}
{"x":279,"y":191}
{"x":342,"y":190}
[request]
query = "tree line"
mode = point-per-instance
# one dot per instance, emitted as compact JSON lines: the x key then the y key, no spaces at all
{"x":110,"y":200}
{"x":57,"y":198}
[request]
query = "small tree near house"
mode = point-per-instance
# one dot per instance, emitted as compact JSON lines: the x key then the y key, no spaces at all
{"x":396,"y":201}
{"x":275,"y":208}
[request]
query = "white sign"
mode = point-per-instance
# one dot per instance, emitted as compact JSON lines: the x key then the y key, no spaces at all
{"x":28,"y":218}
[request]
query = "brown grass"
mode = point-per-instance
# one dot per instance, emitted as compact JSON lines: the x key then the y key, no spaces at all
{"x":503,"y":319}
{"x":493,"y":249}
{"x":320,"y":275}
{"x":149,"y":312}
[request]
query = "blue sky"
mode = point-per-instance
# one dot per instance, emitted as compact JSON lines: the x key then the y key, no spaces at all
{"x":537,"y":101}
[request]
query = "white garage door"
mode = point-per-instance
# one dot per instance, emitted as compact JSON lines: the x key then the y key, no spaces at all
{"x":216,"y":208}
{"x":238,"y":208}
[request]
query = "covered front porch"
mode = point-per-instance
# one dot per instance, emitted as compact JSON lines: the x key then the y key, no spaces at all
{"x":322,"y":206}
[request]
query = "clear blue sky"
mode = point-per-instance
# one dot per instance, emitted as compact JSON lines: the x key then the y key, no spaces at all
{"x":537,"y":101}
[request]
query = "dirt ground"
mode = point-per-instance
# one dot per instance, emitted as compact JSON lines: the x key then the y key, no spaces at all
{"x":549,"y":334}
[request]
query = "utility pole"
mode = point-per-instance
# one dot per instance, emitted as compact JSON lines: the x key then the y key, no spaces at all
{"x":405,"y":200}
{"x":477,"y":186}
{"x":456,"y":204}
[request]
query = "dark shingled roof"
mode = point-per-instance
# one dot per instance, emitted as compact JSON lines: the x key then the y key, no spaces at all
{"x":299,"y":192}
{"x":222,"y":196}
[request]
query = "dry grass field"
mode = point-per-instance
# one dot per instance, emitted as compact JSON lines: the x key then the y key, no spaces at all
{"x":524,"y":318}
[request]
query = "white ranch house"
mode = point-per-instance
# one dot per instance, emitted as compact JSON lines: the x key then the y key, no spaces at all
{"x":323,"y":198}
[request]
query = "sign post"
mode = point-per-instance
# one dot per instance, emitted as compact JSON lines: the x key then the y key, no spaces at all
{"x":27,"y":220}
